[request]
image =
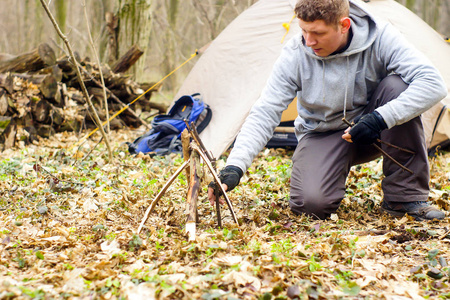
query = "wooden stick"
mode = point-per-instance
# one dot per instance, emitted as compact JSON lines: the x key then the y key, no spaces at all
{"x":216,"y":178}
{"x":197,"y":138}
{"x":192,"y":196}
{"x":160,"y":194}
{"x":219,"y":217}
{"x":193,"y":130}
{"x":185,"y":141}
{"x":382,"y":151}
{"x":200,"y":142}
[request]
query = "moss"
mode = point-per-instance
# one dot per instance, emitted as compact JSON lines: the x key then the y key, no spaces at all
{"x":4,"y":122}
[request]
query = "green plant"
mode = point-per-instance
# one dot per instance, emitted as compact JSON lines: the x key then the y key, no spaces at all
{"x":313,"y":265}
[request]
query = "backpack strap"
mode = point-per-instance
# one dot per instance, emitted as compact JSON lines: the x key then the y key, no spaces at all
{"x":204,"y":119}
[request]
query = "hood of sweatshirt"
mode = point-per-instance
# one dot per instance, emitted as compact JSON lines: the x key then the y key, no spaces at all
{"x":364,"y":29}
{"x":364,"y":32}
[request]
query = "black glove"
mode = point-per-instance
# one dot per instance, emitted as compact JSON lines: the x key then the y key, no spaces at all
{"x":367,"y":128}
{"x":230,"y":175}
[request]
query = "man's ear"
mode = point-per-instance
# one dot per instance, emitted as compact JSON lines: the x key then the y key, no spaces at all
{"x":345,"y":24}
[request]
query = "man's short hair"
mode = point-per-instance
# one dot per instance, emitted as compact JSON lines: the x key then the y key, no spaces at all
{"x":330,"y":11}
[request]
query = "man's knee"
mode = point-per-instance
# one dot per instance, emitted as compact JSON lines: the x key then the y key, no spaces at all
{"x":315,"y":204}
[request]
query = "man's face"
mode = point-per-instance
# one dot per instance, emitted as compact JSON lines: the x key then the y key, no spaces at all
{"x":322,"y":38}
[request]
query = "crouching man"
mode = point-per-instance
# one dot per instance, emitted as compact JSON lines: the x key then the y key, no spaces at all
{"x":345,"y":64}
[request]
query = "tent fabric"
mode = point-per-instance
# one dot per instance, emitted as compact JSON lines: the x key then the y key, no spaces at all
{"x":234,"y":69}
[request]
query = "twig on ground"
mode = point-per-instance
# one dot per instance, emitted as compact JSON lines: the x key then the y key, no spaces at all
{"x":89,"y":153}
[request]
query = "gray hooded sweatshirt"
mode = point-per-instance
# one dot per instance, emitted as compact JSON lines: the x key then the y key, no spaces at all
{"x":340,"y":85}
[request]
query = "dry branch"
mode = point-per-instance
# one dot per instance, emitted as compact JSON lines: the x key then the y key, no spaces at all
{"x":83,"y":87}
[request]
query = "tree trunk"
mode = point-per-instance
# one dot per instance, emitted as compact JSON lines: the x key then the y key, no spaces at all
{"x":112,"y":23}
{"x":134,"y":29}
{"x":61,"y":14}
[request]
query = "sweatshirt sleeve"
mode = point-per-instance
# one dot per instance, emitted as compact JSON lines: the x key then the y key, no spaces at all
{"x":426,"y":85}
{"x":265,"y":115}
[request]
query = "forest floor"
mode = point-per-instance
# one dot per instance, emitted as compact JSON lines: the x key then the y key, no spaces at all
{"x":68,"y":226}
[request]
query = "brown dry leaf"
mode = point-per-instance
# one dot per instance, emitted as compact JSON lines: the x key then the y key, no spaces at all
{"x":86,"y":246}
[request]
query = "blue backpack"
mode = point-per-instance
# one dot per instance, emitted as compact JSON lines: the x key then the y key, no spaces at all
{"x":165,"y":135}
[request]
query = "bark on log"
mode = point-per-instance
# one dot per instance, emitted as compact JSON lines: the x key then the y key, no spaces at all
{"x":162,"y":108}
{"x":70,"y":125}
{"x":3,"y":102}
{"x":45,"y":130}
{"x":146,"y":85}
{"x":6,"y":56}
{"x":56,"y":117}
{"x":49,"y":87}
{"x":35,"y":60}
{"x":4,"y":122}
{"x":127,"y":60}
{"x":32,"y":134}
{"x":41,"y":111}
{"x":8,"y":136}
{"x":35,"y":79}
{"x":7,"y":82}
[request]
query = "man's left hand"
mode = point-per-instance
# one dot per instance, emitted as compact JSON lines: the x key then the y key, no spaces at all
{"x":367,"y":129}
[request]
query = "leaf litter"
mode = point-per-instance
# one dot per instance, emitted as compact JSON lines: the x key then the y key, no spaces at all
{"x":68,"y":224}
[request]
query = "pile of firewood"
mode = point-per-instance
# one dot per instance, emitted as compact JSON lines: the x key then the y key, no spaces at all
{"x":41,"y":95}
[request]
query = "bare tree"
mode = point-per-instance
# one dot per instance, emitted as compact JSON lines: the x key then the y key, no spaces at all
{"x":134,"y":29}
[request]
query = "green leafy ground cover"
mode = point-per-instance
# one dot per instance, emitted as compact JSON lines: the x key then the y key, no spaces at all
{"x":68,"y":222}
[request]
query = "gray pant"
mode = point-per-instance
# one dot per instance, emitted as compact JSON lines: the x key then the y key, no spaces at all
{"x":322,"y":161}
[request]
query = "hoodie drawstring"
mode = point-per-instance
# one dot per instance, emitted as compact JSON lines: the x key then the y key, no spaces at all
{"x":346,"y":88}
{"x":323,"y":80}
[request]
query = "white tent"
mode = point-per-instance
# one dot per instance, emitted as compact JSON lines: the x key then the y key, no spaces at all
{"x":233,"y":70}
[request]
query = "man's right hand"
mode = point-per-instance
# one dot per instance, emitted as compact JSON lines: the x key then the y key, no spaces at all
{"x":230,"y":177}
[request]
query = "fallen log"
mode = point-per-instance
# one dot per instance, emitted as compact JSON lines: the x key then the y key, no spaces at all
{"x":35,"y":60}
{"x":8,"y":136}
{"x":33,"y":78}
{"x":56,"y":117}
{"x":41,"y":111}
{"x":7,"y":82}
{"x":49,"y":87}
{"x":45,"y":130}
{"x":3,"y":102}
{"x":127,"y":60}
